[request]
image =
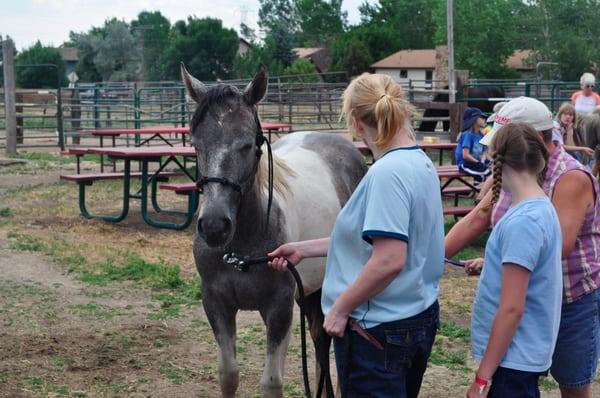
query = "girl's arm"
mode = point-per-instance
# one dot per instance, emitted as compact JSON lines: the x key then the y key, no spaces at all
{"x":386,"y":262}
{"x":468,"y":157}
{"x":297,"y":251}
{"x":515,"y":280}
{"x":468,"y":228}
{"x":574,"y":148}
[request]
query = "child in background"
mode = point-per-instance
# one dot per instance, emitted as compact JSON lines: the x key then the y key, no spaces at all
{"x":565,"y":130}
{"x":471,"y":156}
{"x":517,"y":309}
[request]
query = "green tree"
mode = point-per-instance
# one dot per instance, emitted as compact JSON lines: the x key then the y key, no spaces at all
{"x":484,"y":35}
{"x":246,"y":66}
{"x":305,"y":68}
{"x":109,"y":53}
{"x":320,"y":21}
{"x":563,"y":31}
{"x":40,"y":76}
{"x":151,"y":30}
{"x":275,"y":14}
{"x":85,"y":68}
{"x":407,"y":24}
{"x":204,"y":45}
{"x":351,"y":55}
{"x":118,"y":55}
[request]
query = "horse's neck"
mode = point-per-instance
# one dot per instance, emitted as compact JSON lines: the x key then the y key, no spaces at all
{"x":251,"y":217}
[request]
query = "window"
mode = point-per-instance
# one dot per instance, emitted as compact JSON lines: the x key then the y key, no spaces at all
{"x":403,"y":73}
{"x":428,"y":76}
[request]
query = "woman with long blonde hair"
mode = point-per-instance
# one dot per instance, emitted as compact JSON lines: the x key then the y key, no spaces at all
{"x":385,"y":253}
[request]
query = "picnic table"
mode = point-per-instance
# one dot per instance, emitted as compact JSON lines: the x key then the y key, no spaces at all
{"x":163,"y":155}
{"x":440,"y":146}
{"x":158,"y":132}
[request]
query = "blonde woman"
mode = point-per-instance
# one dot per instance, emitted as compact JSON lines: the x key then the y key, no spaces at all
{"x":385,"y":253}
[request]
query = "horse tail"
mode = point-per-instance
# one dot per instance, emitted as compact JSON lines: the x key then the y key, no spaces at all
{"x":321,"y":341}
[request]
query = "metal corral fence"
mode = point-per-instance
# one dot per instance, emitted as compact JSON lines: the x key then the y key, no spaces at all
{"x":552,"y":93}
{"x":54,"y":117}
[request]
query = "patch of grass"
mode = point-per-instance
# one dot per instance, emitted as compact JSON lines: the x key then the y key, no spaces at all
{"x":173,"y":374}
{"x":469,"y":252}
{"x":95,"y":294}
{"x":61,"y":362}
{"x":25,"y":242}
{"x":453,"y":360}
{"x":157,"y":275}
{"x":15,"y":290}
{"x":3,"y":377}
{"x":454,"y":332}
{"x":5,"y":212}
{"x":95,"y":310}
{"x":43,"y":158}
{"x":294,"y":390}
{"x":547,"y":384}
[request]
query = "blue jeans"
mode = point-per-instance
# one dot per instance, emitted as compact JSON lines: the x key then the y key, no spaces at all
{"x":396,"y":371}
{"x":514,"y":384}
{"x":578,"y":345}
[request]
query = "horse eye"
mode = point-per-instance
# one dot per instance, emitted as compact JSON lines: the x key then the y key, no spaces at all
{"x":246,"y":148}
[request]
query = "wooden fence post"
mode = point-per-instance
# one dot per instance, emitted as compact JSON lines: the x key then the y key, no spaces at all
{"x":10,"y":111}
{"x":456,"y":117}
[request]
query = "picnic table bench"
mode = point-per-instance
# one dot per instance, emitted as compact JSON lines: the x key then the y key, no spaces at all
{"x":145,"y":155}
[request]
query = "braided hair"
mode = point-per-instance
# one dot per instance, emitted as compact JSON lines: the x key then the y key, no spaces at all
{"x":519,"y":146}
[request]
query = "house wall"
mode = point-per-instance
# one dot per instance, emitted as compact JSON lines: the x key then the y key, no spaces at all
{"x":416,"y":75}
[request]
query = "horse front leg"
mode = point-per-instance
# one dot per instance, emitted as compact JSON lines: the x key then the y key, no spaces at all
{"x":278,"y":319}
{"x":222,"y":321}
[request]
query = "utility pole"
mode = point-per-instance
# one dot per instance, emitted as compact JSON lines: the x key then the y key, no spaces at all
{"x":450,"y":34}
{"x":10,"y":109}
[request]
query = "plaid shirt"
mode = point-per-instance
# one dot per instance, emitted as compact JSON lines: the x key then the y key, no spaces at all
{"x":581,"y":269}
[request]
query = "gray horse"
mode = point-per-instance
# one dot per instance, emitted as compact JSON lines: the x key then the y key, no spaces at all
{"x":314,"y":175}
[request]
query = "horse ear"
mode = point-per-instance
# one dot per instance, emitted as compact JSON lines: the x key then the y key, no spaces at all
{"x":194,"y":88}
{"x":256,"y":90}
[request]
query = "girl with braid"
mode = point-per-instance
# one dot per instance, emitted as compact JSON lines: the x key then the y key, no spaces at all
{"x":516,"y":313}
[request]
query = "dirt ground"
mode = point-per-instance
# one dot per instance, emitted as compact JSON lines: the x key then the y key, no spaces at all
{"x":91,"y":309}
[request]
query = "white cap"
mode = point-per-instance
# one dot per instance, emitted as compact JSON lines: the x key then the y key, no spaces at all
{"x":496,"y":108}
{"x":521,"y":110}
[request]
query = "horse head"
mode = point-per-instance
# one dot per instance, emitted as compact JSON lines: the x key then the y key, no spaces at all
{"x":226,"y":133}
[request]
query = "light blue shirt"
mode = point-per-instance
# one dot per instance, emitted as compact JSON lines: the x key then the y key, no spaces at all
{"x":528,"y":235}
{"x":398,"y":198}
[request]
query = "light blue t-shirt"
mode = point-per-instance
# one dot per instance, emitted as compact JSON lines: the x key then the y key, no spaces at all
{"x":399,"y":198}
{"x":528,"y":235}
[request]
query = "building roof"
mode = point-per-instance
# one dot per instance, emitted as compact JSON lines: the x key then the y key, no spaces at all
{"x":307,"y":52}
{"x":518,"y":60}
{"x":408,"y":59}
{"x":319,"y":56}
{"x":69,"y":54}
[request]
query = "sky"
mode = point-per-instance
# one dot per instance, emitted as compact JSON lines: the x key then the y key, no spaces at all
{"x":50,"y":21}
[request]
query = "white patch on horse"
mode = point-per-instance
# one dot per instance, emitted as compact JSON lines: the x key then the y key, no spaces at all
{"x":272,"y":378}
{"x":305,"y":217}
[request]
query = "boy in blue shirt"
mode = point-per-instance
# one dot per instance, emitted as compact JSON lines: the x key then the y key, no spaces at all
{"x":472,"y":157}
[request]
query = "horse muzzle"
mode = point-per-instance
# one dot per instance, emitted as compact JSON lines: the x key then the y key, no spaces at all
{"x":215,"y":231}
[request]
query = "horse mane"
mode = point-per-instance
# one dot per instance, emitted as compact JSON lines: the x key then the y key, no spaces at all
{"x":281,"y":171}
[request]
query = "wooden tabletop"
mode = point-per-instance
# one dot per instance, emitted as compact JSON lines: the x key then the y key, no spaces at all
{"x":135,"y":152}
{"x":168,"y":130}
